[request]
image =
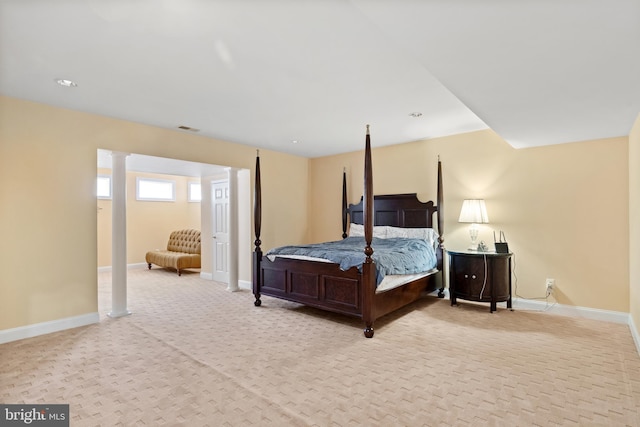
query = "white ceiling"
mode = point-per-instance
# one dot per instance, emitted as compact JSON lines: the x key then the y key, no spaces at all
{"x":268,"y":72}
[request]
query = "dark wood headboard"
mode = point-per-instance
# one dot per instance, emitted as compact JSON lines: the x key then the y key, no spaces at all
{"x":397,"y":210}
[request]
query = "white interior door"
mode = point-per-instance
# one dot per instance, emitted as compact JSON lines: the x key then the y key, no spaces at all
{"x":220,"y":199}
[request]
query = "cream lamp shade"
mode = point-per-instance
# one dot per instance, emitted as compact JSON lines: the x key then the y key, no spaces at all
{"x":473,"y":211}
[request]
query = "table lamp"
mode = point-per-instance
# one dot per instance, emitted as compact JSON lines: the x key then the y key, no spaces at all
{"x":473,"y":211}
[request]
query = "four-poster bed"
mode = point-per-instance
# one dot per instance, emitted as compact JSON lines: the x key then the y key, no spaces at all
{"x":359,"y":290}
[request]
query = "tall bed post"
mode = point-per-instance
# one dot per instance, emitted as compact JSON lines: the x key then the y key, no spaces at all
{"x":257,"y":218}
{"x":440,"y":213}
{"x":440,"y":202}
{"x":344,"y":203}
{"x":368,"y":199}
{"x":368,"y":268}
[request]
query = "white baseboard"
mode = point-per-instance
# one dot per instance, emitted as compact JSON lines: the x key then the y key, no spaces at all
{"x":43,"y":328}
{"x":571,"y":310}
{"x":563,"y":310}
{"x":242,"y":284}
{"x":634,"y":333}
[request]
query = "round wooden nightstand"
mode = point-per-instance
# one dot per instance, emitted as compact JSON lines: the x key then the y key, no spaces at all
{"x":480,"y":276}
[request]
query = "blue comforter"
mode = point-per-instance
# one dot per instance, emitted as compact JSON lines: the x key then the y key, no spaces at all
{"x":391,"y":256}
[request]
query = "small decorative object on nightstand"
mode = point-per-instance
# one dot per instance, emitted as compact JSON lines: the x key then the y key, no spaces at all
{"x":480,"y":276}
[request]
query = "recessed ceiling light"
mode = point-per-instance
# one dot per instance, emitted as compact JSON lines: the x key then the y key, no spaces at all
{"x":66,"y":83}
{"x":295,"y":141}
{"x":415,"y":114}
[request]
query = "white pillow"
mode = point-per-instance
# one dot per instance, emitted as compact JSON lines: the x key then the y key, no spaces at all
{"x":357,"y":230}
{"x":428,"y":234}
{"x":380,"y":231}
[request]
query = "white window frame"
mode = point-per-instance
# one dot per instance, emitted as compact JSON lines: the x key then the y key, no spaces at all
{"x":168,"y":198}
{"x":108,"y":178}
{"x":191,"y":195}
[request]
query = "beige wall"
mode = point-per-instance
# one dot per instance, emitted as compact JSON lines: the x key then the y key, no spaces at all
{"x":634,"y":225}
{"x":148,"y":223}
{"x":48,"y":218}
{"x":564,"y":208}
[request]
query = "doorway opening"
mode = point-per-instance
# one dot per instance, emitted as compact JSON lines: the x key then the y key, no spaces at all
{"x":148,"y":224}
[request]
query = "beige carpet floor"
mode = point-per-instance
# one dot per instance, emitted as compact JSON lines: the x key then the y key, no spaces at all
{"x":194,"y":354}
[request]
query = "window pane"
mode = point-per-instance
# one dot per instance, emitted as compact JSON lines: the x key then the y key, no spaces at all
{"x":195,"y":192}
{"x":155,"y":189}
{"x":104,"y":187}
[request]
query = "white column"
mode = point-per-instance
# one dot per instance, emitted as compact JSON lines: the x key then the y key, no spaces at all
{"x":119,"y":235}
{"x":233,"y":230}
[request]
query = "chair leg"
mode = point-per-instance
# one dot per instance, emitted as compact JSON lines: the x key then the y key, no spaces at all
{"x":149,"y":265}
{"x":179,"y":272}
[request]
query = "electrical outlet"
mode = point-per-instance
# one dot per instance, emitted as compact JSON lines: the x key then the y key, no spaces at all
{"x":551,"y":283}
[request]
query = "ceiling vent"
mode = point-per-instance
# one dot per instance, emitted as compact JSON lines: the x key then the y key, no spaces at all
{"x":190,"y":129}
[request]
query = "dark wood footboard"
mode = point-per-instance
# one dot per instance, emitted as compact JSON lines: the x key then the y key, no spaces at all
{"x":327,"y":287}
{"x":316,"y":284}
